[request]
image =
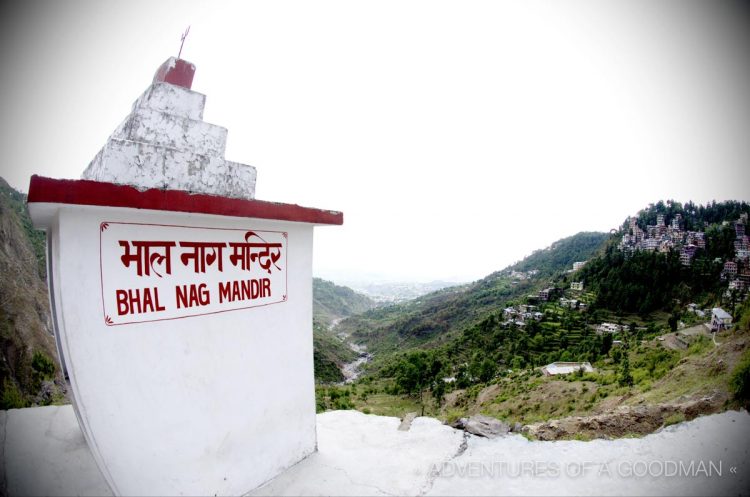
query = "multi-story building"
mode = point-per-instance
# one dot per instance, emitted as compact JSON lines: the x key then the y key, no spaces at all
{"x":687,"y":253}
{"x":730,"y":269}
{"x":676,"y":222}
{"x":650,"y":244}
{"x":545,"y":294}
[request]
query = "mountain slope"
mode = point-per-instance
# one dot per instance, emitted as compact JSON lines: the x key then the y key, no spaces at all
{"x":438,"y":317}
{"x":563,"y":253}
{"x":331,"y":303}
{"x":28,"y":372}
{"x":630,"y":280}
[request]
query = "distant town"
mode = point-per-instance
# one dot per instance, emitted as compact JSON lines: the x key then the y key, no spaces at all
{"x":663,"y":238}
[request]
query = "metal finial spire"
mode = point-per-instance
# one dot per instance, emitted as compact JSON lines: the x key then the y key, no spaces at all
{"x":182,"y":41}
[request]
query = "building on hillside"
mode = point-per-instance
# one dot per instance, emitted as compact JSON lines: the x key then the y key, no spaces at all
{"x":546,"y":294}
{"x":666,"y":246}
{"x":638,"y":234}
{"x":578,"y":265}
{"x":568,"y":303}
{"x":676,"y":222}
{"x":739,"y":229}
{"x":576,"y":285}
{"x":650,"y":244}
{"x":687,"y":253}
{"x":608,"y":328}
{"x":720,"y":319}
{"x":730,"y":269}
{"x":557,"y":368}
{"x":736,"y":285}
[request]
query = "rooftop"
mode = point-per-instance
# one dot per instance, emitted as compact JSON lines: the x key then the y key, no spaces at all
{"x":720,"y":313}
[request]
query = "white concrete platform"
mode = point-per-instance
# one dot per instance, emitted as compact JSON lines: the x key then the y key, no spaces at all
{"x":44,"y":453}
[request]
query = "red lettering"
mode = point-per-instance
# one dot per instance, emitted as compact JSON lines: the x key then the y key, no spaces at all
{"x":245,"y":289}
{"x":122,"y":302}
{"x":195,"y":295}
{"x":204,"y":298}
{"x":224,"y":292}
{"x":181,"y":296}
{"x":134,"y":302}
{"x":148,"y":304}
{"x":232,"y":291}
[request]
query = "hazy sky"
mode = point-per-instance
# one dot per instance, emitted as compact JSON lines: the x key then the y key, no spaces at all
{"x":456,"y":136}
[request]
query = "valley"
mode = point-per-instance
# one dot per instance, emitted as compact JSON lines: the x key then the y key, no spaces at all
{"x":639,"y":320}
{"x":479,"y":348}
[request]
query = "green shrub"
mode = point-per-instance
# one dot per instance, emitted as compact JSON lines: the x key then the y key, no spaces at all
{"x":12,"y":396}
{"x":740,"y":380}
{"x":43,"y":365}
{"x":674,"y":419}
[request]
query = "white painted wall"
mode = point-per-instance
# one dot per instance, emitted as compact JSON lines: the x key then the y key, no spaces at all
{"x":205,"y":405}
{"x":164,"y":143}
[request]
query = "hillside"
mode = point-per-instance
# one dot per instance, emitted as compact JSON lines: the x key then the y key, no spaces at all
{"x":331,"y":303}
{"x":438,"y":317}
{"x":669,"y":255}
{"x":562,"y":254}
{"x":623,"y":311}
{"x":28,"y":373}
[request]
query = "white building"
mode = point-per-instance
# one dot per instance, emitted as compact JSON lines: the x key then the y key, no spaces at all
{"x":608,"y":328}
{"x":557,"y":368}
{"x":182,"y":307}
{"x":720,"y":319}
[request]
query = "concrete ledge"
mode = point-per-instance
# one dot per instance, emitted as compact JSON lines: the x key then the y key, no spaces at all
{"x":358,"y":454}
{"x":46,"y":454}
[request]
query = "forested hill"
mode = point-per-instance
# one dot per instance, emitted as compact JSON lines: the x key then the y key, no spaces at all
{"x":440,"y":316}
{"x":638,"y":270}
{"x":642,"y":276}
{"x":562,"y":254}
{"x":331,"y":301}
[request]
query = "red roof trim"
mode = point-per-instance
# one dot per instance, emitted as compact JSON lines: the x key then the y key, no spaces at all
{"x":85,"y":192}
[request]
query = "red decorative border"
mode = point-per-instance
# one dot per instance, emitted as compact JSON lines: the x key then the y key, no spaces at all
{"x":108,"y":320}
{"x":85,"y":192}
